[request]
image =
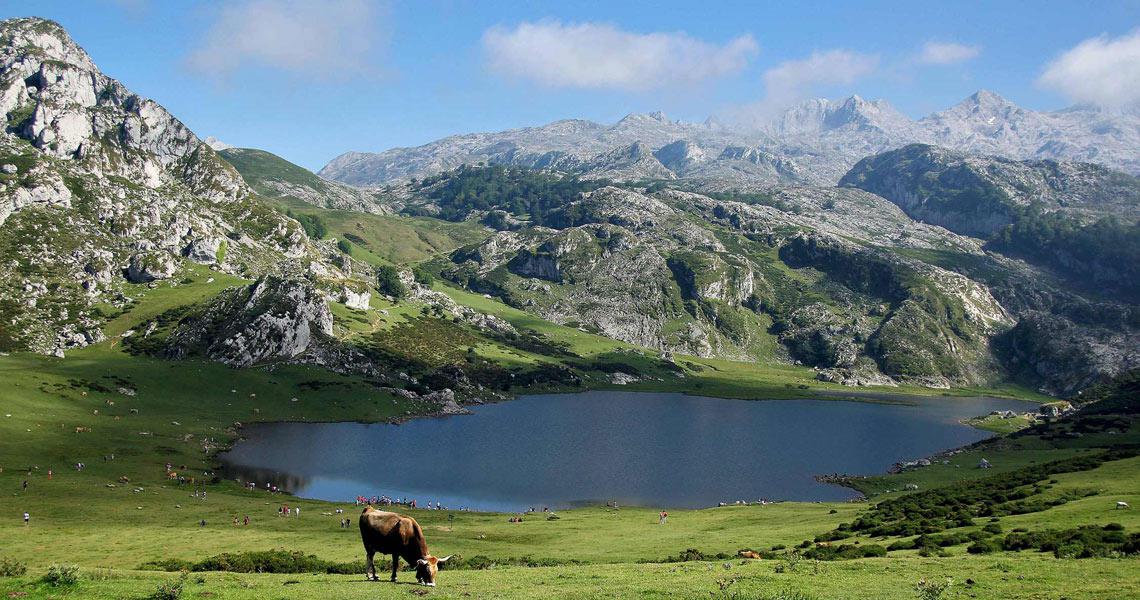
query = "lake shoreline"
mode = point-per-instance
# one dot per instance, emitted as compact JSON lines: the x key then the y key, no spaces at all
{"x":818,"y":406}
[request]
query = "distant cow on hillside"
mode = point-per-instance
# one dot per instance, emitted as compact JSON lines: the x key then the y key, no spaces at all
{"x":400,"y":536}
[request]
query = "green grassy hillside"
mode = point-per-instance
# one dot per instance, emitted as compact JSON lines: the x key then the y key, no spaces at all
{"x":120,"y":513}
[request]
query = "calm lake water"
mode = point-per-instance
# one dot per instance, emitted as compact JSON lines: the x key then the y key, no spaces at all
{"x":648,"y":449}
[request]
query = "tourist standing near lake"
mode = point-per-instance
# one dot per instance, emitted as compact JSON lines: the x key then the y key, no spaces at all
{"x":661,"y":518}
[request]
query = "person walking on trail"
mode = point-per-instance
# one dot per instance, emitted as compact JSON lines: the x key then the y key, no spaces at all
{"x":27,"y":518}
{"x":661,"y":518}
{"x":25,"y":485}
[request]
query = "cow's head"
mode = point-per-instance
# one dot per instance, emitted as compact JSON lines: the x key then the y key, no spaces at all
{"x":427,"y":567}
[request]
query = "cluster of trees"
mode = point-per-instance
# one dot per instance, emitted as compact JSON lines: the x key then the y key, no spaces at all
{"x":313,"y":225}
{"x":520,"y":191}
{"x":1103,"y":253}
{"x":388,"y":282}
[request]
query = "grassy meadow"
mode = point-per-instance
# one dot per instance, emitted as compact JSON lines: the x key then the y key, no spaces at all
{"x":127,"y":416}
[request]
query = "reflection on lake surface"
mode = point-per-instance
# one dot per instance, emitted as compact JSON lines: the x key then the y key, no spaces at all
{"x":651,"y":449}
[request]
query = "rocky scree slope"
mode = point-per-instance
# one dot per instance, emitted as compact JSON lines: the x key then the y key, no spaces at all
{"x":101,"y":188}
{"x":814,"y":142}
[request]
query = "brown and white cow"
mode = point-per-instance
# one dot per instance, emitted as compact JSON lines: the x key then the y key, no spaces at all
{"x":400,"y":536}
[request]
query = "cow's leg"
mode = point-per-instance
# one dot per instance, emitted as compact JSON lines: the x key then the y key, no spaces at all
{"x":395,"y":565}
{"x":370,"y":571}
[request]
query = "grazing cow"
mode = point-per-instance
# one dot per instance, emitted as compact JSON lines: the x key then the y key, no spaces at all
{"x":1120,"y":505}
{"x":400,"y":536}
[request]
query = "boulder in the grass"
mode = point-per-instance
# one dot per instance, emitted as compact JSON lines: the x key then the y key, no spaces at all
{"x":145,"y":267}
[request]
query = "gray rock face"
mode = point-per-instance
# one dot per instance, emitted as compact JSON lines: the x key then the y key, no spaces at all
{"x":539,"y":265}
{"x":103,"y":187}
{"x":978,"y":195}
{"x":203,"y":250}
{"x":1064,"y":357}
{"x":814,"y":142}
{"x":75,"y":112}
{"x":273,"y":319}
{"x":356,"y":300}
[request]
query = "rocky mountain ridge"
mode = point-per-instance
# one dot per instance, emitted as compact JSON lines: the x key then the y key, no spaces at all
{"x":977,"y":195}
{"x":814,"y":142}
{"x":101,"y":189}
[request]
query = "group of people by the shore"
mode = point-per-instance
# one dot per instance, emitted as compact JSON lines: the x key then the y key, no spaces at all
{"x":406,"y":502}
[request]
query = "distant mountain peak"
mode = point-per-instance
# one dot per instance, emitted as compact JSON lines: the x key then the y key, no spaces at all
{"x":216,"y":144}
{"x":984,"y":96}
{"x":820,"y":114}
{"x":987,"y":102}
{"x":635,"y":118}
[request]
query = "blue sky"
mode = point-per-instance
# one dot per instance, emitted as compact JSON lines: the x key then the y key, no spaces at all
{"x":310,"y":80}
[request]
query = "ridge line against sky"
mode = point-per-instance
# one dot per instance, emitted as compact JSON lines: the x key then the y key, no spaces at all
{"x":311,"y":80}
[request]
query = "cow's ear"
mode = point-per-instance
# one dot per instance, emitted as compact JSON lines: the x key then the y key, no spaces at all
{"x":445,"y":559}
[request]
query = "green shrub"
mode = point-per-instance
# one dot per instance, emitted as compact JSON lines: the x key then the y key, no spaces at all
{"x":264,"y":561}
{"x":1086,"y":541}
{"x":12,"y":568}
{"x":931,"y":590}
{"x":423,"y":275}
{"x":313,"y":225}
{"x":170,"y":590}
{"x":845,"y":552}
{"x":62,"y":575}
{"x":984,"y":547}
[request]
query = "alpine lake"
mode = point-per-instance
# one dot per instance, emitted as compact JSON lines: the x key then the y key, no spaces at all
{"x":662,"y":450}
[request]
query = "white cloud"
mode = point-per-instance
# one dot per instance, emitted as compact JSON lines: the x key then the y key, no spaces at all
{"x":1099,"y":70}
{"x":326,"y":40}
{"x":598,"y":55}
{"x":947,"y":53}
{"x":795,"y":79}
